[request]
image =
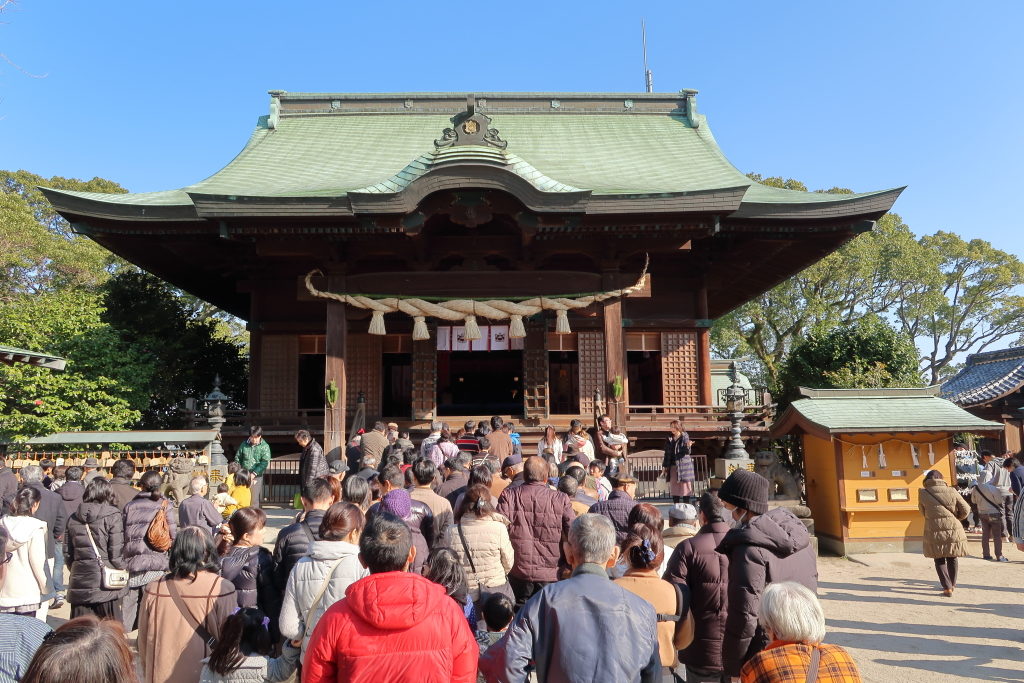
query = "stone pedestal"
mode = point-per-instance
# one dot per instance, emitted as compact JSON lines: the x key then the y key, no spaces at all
{"x":726,"y":466}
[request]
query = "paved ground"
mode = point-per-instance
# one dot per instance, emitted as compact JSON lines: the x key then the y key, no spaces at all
{"x":888,"y":611}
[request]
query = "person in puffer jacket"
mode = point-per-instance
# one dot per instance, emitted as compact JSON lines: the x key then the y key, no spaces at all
{"x":248,"y":565}
{"x":696,"y":564}
{"x":765,"y":546}
{"x":103,"y":521}
{"x":393,"y":625}
{"x":540,"y":518}
{"x":321,"y":579}
{"x":144,"y":563}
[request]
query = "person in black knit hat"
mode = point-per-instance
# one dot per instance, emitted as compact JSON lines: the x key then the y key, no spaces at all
{"x":763,"y":546}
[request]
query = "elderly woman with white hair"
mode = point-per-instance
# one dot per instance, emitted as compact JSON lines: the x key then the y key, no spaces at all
{"x":792,"y":619}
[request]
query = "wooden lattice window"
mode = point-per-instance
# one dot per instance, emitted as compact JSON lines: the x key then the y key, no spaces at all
{"x":279,"y":370}
{"x":363,"y":373}
{"x":680,"y":366}
{"x":590,"y":346}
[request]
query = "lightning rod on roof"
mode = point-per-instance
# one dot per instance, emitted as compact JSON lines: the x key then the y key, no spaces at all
{"x":648,"y":76}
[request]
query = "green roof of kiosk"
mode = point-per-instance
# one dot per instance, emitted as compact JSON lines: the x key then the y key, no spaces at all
{"x":848,"y":411}
{"x":628,"y":145}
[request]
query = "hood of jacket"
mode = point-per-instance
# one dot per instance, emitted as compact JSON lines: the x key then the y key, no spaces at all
{"x":20,"y":529}
{"x":395,"y":600}
{"x":779,"y":531}
{"x":93,"y":512}
{"x":72,"y":490}
{"x":332,"y":550}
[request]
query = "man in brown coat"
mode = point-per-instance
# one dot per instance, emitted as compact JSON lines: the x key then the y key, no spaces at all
{"x":540,"y":519}
{"x":501,"y":442}
{"x":374,"y":441}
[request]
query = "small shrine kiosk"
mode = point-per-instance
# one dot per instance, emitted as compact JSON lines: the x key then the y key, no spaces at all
{"x":866,"y":452}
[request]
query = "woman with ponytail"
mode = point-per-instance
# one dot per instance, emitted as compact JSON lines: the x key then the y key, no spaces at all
{"x":480,"y":539}
{"x":321,"y":579}
{"x":644,"y":551}
{"x":144,"y":562}
{"x":243,"y":652}
{"x":248,"y":565}
{"x":23,"y":568}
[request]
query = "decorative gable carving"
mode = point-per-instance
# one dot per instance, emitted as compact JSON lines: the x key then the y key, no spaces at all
{"x":470,"y":128}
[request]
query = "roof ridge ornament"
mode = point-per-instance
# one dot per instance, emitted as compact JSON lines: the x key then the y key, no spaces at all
{"x":470,"y":128}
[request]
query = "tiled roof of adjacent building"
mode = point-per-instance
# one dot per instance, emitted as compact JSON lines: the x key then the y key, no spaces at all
{"x":847,"y":411}
{"x":986,"y":377}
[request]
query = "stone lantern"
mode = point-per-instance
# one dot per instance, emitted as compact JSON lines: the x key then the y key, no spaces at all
{"x":735,"y":456}
{"x":214,"y":404}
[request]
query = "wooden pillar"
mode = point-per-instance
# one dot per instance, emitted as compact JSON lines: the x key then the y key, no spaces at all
{"x":255,"y":366}
{"x":614,"y":351}
{"x":337,"y":332}
{"x":704,"y":391}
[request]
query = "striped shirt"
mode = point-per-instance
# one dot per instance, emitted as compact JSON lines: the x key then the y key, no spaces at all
{"x":20,"y":637}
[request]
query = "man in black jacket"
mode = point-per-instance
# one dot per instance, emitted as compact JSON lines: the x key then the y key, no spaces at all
{"x":121,"y":484}
{"x":312,"y":462}
{"x":294,"y":540}
{"x":51,"y":510}
{"x":8,"y":487}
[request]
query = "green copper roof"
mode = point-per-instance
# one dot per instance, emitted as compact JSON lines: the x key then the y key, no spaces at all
{"x":305,"y":151}
{"x":845,"y":411}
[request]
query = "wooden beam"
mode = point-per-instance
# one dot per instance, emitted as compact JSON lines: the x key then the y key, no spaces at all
{"x":614,"y":354}
{"x":337,"y":331}
{"x":703,"y":350}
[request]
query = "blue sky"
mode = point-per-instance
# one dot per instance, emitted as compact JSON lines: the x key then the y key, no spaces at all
{"x":865,"y":95}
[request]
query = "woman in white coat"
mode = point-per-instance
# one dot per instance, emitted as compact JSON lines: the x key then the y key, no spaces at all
{"x":480,"y":539}
{"x":320,"y":579}
{"x":24,"y":576}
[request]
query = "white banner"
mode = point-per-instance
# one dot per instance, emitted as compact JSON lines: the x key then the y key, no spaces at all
{"x":459,"y":341}
{"x":444,"y":338}
{"x":499,"y":337}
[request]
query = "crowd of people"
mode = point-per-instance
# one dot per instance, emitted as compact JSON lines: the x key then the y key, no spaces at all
{"x":467,"y":557}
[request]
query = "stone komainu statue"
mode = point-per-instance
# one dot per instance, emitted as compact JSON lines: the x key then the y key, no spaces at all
{"x":782,"y":483}
{"x":179,"y":474}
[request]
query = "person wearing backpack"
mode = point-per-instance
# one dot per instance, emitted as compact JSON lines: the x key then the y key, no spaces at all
{"x":148,"y":533}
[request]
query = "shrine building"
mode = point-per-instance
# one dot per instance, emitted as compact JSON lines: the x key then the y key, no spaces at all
{"x":443,"y":255}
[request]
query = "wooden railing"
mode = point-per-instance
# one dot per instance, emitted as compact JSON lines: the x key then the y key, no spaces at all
{"x":269,"y":420}
{"x":661,"y":413}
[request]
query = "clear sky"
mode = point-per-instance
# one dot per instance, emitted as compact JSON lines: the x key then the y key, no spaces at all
{"x":866,"y":95}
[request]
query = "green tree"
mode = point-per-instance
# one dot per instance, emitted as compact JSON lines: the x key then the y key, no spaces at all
{"x":105,"y":385}
{"x":179,"y":338}
{"x":865,"y":353}
{"x":870,"y":274}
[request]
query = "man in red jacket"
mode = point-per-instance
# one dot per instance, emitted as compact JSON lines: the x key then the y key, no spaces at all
{"x":393,"y":625}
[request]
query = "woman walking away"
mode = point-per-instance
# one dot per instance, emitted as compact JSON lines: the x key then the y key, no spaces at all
{"x":183,"y":613}
{"x":644,"y":552}
{"x":481,"y":542}
{"x":242,"y":653}
{"x":791,"y":617}
{"x":321,"y":579}
{"x":94,"y":540}
{"x":24,"y":580}
{"x":677,"y":465}
{"x":944,"y":537}
{"x":145,"y":545}
{"x":356,"y":490}
{"x":84,"y":650}
{"x":248,"y":565}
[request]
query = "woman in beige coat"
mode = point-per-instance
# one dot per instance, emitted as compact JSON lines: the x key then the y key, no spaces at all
{"x":480,"y":539}
{"x":944,"y":537}
{"x":183,"y":611}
